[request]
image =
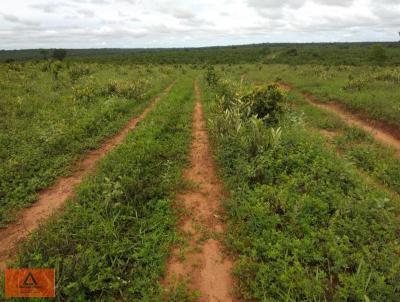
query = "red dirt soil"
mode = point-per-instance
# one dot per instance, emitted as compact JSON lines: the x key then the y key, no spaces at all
{"x":202,"y":263}
{"x":383,"y":133}
{"x":53,"y":198}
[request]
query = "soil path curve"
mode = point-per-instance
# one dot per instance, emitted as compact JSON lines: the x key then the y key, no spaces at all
{"x":380,"y":134}
{"x":53,"y":198}
{"x":202,"y":263}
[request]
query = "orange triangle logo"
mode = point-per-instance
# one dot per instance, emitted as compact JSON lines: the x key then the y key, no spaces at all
{"x":29,"y":281}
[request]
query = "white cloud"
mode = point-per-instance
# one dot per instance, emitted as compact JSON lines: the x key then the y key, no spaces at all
{"x":275,"y":4}
{"x":160,"y":23}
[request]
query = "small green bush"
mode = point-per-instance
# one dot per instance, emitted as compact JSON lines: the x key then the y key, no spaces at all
{"x":265,"y":103}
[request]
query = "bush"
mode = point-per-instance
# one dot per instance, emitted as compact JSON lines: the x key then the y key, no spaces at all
{"x":211,"y":76}
{"x":78,"y":71}
{"x":265,"y":103}
{"x":292,"y":52}
{"x":378,"y":53}
{"x":133,"y":90}
{"x":59,"y":54}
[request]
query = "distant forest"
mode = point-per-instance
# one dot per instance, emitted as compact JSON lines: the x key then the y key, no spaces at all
{"x":387,"y":53}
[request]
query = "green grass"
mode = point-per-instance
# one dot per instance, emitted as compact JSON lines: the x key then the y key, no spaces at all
{"x":112,"y":241}
{"x":354,"y":144}
{"x":303,"y":225}
{"x":50,"y":114}
{"x":371,"y":90}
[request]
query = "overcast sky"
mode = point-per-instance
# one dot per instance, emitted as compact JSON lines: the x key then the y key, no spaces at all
{"x":177,"y":23}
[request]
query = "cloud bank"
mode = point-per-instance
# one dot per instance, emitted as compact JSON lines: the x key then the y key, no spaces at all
{"x":178,"y":23}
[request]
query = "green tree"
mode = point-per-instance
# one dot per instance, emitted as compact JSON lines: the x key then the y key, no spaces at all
{"x":44,"y":53}
{"x":378,"y":53}
{"x":59,"y":54}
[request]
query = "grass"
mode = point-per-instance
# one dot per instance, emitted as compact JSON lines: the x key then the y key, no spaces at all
{"x":371,"y":90}
{"x":303,"y":222}
{"x":112,"y":241}
{"x":51,"y":113}
{"x":303,"y":225}
{"x":356,"y":145}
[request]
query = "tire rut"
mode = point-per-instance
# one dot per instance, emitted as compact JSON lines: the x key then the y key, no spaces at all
{"x":202,"y":264}
{"x":386,"y":137}
{"x":54,"y":197}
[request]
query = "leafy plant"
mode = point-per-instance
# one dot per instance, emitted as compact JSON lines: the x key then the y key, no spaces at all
{"x":211,"y":76}
{"x":265,"y":103}
{"x":289,"y":199}
{"x":59,"y":54}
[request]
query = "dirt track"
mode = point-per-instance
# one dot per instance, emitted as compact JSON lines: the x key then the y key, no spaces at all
{"x":53,"y":198}
{"x":380,"y":133}
{"x":202,"y":263}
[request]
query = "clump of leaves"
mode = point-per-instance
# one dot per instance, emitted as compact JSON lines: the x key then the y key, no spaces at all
{"x":130,"y":90}
{"x":355,"y":84}
{"x":180,"y":293}
{"x":265,"y":102}
{"x":77,"y":71}
{"x":211,"y":76}
{"x":84,"y":93}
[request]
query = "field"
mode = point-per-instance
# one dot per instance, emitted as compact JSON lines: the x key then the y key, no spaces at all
{"x":270,"y":174}
{"x":372,"y":90}
{"x":51,"y":113}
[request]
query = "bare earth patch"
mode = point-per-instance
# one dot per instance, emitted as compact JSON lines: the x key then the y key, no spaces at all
{"x":201,"y":263}
{"x":53,"y":198}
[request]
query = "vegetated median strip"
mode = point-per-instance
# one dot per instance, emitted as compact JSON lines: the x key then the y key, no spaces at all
{"x":204,"y":267}
{"x":53,"y":198}
{"x":390,"y":138}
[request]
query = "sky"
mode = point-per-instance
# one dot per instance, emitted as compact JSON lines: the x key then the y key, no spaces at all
{"x":188,"y":23}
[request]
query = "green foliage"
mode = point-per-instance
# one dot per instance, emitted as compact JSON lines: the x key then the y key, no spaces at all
{"x":378,"y":53}
{"x":180,"y":293}
{"x":76,"y":71}
{"x":211,"y":76}
{"x":304,"y":225}
{"x":391,"y":76}
{"x":45,"y":54}
{"x":371,"y":90}
{"x":292,"y":52}
{"x":265,"y":103}
{"x":327,"y":54}
{"x":248,"y":110}
{"x":356,"y":84}
{"x":134,"y":89}
{"x":59,"y":54}
{"x":112,"y":242}
{"x":55,"y":68}
{"x":46,"y":123}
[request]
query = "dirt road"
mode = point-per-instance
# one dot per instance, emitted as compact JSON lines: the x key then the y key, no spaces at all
{"x":202,"y":263}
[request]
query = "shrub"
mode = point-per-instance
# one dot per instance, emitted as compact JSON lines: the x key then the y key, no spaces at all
{"x":265,"y":102}
{"x":292,"y":52}
{"x":85,"y":93}
{"x":78,"y":71}
{"x":356,"y":84}
{"x":211,"y":76}
{"x":378,"y":53}
{"x":59,"y":54}
{"x":133,"y":90}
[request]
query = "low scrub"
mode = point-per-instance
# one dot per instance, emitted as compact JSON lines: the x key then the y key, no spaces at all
{"x":46,"y":123}
{"x":112,"y":241}
{"x":302,"y":223}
